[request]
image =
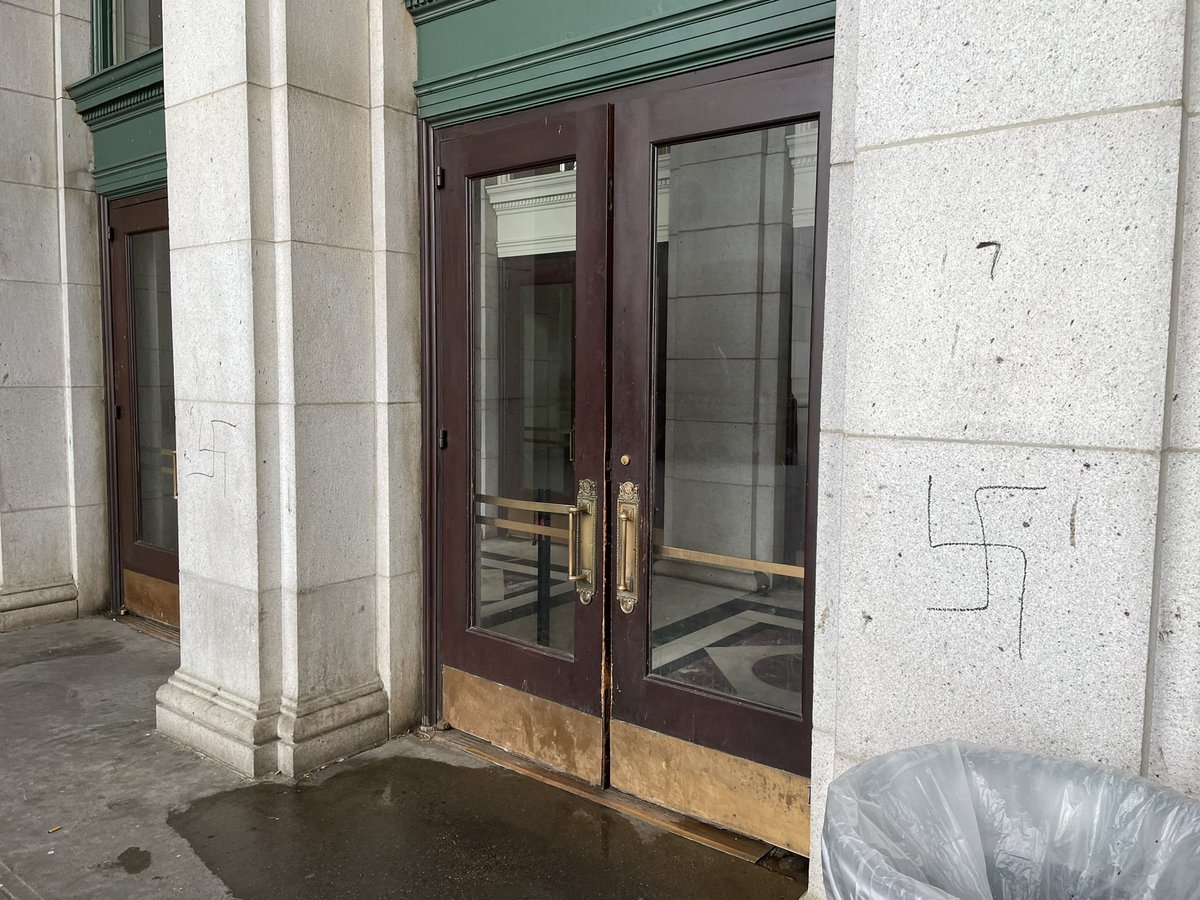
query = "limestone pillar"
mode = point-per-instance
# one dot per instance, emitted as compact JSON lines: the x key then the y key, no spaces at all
{"x":53,"y":519}
{"x":1172,"y":750}
{"x":289,"y":188}
{"x":997,"y":318}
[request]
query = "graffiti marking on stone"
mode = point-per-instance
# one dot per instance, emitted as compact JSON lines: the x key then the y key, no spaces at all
{"x":218,"y":460}
{"x":988,"y":548}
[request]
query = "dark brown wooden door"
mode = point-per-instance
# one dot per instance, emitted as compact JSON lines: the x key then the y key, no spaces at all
{"x":143,"y":407}
{"x":522,"y":324}
{"x":718,"y":273}
{"x":679,"y":379}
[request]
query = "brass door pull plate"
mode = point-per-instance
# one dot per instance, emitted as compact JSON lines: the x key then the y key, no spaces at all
{"x":628,"y":506}
{"x":581,"y":541}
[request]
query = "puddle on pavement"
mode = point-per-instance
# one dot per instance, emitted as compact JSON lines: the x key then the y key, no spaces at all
{"x":414,"y":827}
{"x":132,"y":861}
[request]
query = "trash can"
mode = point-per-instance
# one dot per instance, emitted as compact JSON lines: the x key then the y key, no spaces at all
{"x":953,"y":820}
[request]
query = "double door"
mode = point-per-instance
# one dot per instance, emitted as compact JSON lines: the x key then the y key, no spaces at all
{"x":627,"y":313}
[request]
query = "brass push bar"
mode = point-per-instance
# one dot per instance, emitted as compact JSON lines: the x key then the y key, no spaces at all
{"x":581,"y":539}
{"x":523,"y":527}
{"x":556,"y":509}
{"x":529,"y":505}
{"x":729,"y":562}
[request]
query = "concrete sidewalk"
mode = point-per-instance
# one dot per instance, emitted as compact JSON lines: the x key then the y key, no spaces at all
{"x":95,"y":804}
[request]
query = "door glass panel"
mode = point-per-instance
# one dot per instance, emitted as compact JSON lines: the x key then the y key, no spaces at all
{"x":523,"y":265}
{"x":735,"y":230}
{"x":154,"y":373}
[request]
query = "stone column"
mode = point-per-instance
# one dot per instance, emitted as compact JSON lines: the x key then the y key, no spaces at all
{"x":396,"y":248}
{"x":286,"y":204}
{"x":53,"y":562}
{"x":1002,"y":233}
{"x":1172,"y":751}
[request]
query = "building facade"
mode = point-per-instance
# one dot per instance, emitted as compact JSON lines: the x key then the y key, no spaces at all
{"x":697,"y":398}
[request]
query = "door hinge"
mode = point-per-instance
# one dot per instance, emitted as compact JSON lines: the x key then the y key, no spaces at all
{"x":439,"y":178}
{"x":111,"y":234}
{"x":442,"y":438}
{"x":117,"y":411}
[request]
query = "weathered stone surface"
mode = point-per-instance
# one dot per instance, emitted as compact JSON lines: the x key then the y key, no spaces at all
{"x":27,"y":148}
{"x":1056,"y":661}
{"x":207,"y":138}
{"x":221,"y":28}
{"x":33,"y":460}
{"x":28,"y":63}
{"x":926,"y":68}
{"x":218,"y":491}
{"x":1062,"y":343}
{"x":29,"y":234}
{"x":31,"y":352}
{"x":1175,"y":737}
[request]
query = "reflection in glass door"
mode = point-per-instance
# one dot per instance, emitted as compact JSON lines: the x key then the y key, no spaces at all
{"x":143,"y":408}
{"x":733,"y":318}
{"x":524,"y":323}
{"x":154,"y":384}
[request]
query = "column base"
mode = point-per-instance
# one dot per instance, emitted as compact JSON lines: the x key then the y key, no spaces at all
{"x":219,"y":725}
{"x":319,"y":731}
{"x":26,"y":607}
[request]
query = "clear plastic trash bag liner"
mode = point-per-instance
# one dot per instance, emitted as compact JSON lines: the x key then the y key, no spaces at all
{"x":953,"y":820}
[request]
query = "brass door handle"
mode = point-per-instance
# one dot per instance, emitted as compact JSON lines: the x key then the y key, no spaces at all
{"x":628,"y":506}
{"x":174,"y":472}
{"x":626,"y":520}
{"x":574,"y":574}
{"x":581,"y":541}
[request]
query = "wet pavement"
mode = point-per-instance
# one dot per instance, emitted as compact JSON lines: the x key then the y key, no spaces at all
{"x":94,"y":803}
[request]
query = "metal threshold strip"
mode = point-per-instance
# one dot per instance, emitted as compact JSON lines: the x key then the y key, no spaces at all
{"x":159,"y":630}
{"x":736,"y":845}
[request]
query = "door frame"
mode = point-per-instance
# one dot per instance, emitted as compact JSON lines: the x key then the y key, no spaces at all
{"x":431,"y":412}
{"x":107,"y":208}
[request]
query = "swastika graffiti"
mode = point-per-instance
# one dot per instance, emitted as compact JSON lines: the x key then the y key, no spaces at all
{"x":988,"y":549}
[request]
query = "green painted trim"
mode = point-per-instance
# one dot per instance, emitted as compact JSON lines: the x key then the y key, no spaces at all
{"x":95,"y":94}
{"x":427,"y":10}
{"x":704,"y":35}
{"x":102,"y":35}
{"x":134,"y":178}
{"x":123,"y":107}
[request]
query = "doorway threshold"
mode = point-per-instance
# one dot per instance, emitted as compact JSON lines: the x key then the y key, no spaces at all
{"x":739,"y":846}
{"x":155,"y":629}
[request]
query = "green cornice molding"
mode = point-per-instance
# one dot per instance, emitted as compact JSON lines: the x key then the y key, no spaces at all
{"x":136,"y":177}
{"x":589,"y":49}
{"x":427,"y":10}
{"x":123,"y":107}
{"x":131,"y":85}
